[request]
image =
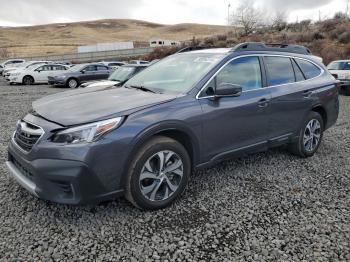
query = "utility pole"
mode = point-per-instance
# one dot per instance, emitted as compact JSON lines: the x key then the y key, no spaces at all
{"x":319,"y":15}
{"x":228,"y":14}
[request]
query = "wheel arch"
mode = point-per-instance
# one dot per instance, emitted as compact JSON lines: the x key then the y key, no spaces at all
{"x":174,"y":130}
{"x":322,"y":111}
{"x":28,"y":76}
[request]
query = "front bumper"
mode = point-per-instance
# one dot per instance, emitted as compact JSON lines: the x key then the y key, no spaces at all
{"x":61,"y":181}
{"x":79,"y":174}
{"x":13,"y":79}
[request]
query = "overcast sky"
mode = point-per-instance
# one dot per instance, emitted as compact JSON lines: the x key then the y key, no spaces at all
{"x":33,"y":12}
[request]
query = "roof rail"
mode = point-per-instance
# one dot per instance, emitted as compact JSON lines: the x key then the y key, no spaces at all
{"x":192,"y":48}
{"x":259,"y":46}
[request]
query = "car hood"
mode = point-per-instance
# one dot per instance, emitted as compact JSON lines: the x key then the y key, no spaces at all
{"x":96,"y":103}
{"x":103,"y":83}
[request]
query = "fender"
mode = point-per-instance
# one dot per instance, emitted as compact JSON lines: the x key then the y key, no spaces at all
{"x":171,"y":125}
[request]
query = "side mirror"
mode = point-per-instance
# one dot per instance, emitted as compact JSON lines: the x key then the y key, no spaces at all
{"x":82,"y":71}
{"x":226,"y":89}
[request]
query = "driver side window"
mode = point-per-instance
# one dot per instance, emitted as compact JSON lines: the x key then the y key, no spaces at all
{"x":244,"y":71}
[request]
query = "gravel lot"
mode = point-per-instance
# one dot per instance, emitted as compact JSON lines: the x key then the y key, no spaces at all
{"x":265,"y":207}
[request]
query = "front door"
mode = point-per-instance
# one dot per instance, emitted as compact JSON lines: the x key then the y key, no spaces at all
{"x":232,"y":124}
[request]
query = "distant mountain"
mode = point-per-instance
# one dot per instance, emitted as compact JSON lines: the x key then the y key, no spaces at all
{"x":65,"y":37}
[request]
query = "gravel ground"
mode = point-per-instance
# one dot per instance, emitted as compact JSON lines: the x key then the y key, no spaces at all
{"x":265,"y":207}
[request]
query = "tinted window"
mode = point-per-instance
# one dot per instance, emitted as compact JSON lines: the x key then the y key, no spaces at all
{"x":299,"y":76}
{"x":90,"y":68}
{"x":58,"y":67}
{"x":102,"y":68}
{"x":308,"y":68}
{"x":244,"y":72}
{"x":280,"y":70}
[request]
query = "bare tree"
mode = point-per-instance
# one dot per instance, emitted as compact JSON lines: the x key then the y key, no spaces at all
{"x":279,"y":21}
{"x":247,"y":17}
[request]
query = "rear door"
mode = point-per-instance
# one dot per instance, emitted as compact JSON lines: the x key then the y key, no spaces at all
{"x":292,"y":96}
{"x":232,"y":124}
{"x":102,"y":72}
{"x":56,"y":70}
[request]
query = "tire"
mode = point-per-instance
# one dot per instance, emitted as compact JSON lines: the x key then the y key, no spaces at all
{"x":148,"y":188}
{"x":72,"y":83}
{"x":28,"y":80}
{"x":313,"y":138}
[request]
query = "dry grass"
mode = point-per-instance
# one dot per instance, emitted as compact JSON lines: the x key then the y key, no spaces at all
{"x":64,"y":38}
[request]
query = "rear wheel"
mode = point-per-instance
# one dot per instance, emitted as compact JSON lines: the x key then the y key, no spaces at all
{"x":158,"y":174}
{"x":310,"y":136}
{"x":28,"y":80}
{"x":72,"y":83}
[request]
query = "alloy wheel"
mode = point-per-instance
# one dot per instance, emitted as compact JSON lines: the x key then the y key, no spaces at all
{"x":72,"y":83}
{"x":312,"y":135}
{"x":161,"y":176}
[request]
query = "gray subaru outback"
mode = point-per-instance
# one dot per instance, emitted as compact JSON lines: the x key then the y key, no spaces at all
{"x":189,"y":111}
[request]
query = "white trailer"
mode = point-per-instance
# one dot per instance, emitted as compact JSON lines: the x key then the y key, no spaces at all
{"x":100,"y":47}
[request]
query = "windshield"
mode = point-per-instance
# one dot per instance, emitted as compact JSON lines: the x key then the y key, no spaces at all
{"x":122,"y":73}
{"x":175,"y":74}
{"x":339,"y":66}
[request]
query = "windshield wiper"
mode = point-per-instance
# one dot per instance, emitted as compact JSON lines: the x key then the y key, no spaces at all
{"x":142,"y":88}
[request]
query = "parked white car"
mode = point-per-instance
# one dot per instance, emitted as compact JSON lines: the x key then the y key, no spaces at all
{"x":36,"y":74}
{"x":341,"y":70}
{"x":138,"y":62}
{"x":11,"y":69}
{"x":10,"y":63}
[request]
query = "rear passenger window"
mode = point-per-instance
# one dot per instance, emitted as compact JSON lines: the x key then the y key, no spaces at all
{"x":299,"y":76}
{"x":102,"y":68}
{"x":308,"y":68}
{"x":280,"y":70}
{"x":244,"y":72}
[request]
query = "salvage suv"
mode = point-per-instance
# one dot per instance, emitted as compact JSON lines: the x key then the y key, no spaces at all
{"x":189,"y":111}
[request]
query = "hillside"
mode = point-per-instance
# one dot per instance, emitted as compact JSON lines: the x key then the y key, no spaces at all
{"x":65,"y":37}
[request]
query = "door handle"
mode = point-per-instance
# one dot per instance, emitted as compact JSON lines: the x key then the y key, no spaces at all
{"x":307,"y":94}
{"x":264,"y":102}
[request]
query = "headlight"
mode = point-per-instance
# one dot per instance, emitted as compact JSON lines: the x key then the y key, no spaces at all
{"x":86,"y":133}
{"x":60,"y":77}
{"x":15,"y":74}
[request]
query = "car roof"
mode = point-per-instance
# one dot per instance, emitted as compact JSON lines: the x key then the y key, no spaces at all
{"x":135,"y":65}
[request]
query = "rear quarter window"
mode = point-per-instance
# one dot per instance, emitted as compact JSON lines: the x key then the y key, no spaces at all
{"x":309,"y":69}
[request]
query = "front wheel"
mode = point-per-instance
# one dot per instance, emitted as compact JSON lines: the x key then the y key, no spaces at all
{"x":310,"y":136}
{"x":72,"y":83}
{"x":158,"y":174}
{"x":28,"y":80}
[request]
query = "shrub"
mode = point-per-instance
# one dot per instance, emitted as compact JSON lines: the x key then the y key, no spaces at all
{"x":344,"y":38}
{"x":222,"y":37}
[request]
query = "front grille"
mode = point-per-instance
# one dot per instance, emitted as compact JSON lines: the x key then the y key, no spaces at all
{"x":27,"y":135}
{"x":25,"y":172}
